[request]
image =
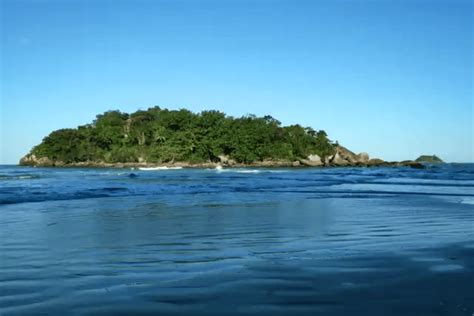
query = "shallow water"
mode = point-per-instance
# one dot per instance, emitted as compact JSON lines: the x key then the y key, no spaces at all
{"x":375,"y":241}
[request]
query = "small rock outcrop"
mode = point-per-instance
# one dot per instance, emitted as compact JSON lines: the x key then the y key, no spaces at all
{"x":345,"y":154}
{"x":296,"y":163}
{"x":375,"y":162}
{"x":429,"y":159}
{"x":226,"y":161}
{"x":32,"y":160}
{"x":362,"y":158}
{"x":327,"y":160}
{"x":411,"y":164}
{"x":345,"y":157}
{"x":338,"y":160}
{"x":312,"y":160}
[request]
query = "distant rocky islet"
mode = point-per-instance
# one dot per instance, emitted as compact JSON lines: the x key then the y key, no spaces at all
{"x":179,"y":138}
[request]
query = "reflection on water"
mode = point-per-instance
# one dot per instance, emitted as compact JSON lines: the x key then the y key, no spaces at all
{"x":378,"y":241}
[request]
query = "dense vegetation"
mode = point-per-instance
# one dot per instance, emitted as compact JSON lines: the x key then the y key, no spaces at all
{"x":160,"y":135}
{"x":429,"y":159}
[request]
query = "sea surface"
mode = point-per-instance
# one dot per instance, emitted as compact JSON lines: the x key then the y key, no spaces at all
{"x":335,"y":241}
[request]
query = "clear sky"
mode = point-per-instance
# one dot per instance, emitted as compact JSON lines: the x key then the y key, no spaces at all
{"x":392,"y":78}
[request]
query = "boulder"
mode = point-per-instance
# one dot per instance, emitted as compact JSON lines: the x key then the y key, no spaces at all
{"x":295,"y":163}
{"x":337,"y":160}
{"x":411,"y":164}
{"x":32,"y":160}
{"x":310,"y":163}
{"x":59,"y":163}
{"x":28,"y":160}
{"x":376,"y":162}
{"x":362,"y":158}
{"x":314,"y":160}
{"x":346,"y":154}
{"x":327,"y":160}
{"x":225,"y":160}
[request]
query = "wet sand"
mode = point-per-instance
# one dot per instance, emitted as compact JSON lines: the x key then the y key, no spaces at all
{"x":424,"y":282}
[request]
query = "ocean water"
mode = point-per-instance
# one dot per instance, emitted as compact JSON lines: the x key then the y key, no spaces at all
{"x":336,"y":241}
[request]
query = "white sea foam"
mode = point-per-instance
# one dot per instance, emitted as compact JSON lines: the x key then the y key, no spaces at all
{"x":222,"y":169}
{"x":468,"y":200}
{"x":25,"y":177}
{"x":248,"y":171}
{"x":159,"y":168}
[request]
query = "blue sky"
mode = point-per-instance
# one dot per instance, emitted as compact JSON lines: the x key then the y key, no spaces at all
{"x":392,"y":78}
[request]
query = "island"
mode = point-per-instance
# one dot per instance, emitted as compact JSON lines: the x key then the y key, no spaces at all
{"x":162,"y":137}
{"x":429,"y":159}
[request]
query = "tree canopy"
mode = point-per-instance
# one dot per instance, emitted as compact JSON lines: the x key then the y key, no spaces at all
{"x":429,"y":159}
{"x":161,"y":135}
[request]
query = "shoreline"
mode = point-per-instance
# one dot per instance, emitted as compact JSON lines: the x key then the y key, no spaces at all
{"x":341,"y":158}
{"x":212,"y":165}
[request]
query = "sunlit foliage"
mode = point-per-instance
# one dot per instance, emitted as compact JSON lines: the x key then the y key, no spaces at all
{"x":160,"y":135}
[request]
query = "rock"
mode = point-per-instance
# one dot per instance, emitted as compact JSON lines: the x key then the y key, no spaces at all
{"x":337,"y":160}
{"x":270,"y":163}
{"x":266,"y":163}
{"x":314,"y":160}
{"x":309,"y":163}
{"x":411,"y":164}
{"x":346,"y":154}
{"x":429,"y":159}
{"x":59,"y":164}
{"x":26,"y":160}
{"x":376,"y":162}
{"x":327,"y":160}
{"x":46,"y":162}
{"x":362,"y":158}
{"x":225,"y":160}
{"x":32,"y":160}
{"x":295,"y":163}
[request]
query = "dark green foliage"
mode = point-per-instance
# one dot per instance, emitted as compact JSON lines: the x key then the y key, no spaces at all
{"x":429,"y":159}
{"x":160,"y":135}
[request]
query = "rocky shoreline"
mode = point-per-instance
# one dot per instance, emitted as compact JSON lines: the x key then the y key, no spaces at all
{"x":342,"y":158}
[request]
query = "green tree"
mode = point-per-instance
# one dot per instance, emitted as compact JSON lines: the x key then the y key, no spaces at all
{"x":162,"y":135}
